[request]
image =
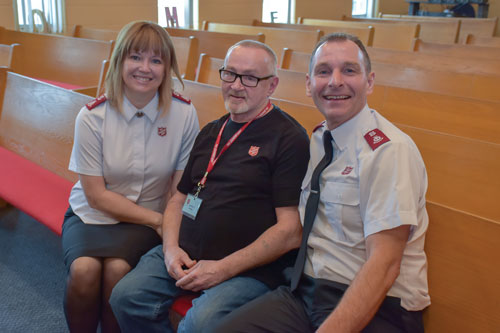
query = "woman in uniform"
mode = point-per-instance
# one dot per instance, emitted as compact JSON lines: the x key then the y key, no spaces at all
{"x":130,"y":148}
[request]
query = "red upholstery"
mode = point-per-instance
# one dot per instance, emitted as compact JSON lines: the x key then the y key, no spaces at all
{"x":33,"y":189}
{"x":182,"y":304}
{"x":61,"y":84}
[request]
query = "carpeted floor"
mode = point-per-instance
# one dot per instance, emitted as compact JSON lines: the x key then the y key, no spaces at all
{"x":31,"y":275}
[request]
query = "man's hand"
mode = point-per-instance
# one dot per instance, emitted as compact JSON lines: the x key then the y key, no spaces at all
{"x":205,"y":274}
{"x":175,"y":259}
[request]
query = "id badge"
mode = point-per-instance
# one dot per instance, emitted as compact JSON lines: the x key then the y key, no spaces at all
{"x":191,"y":206}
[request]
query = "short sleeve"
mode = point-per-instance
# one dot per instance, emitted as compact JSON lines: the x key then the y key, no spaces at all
{"x":86,"y":156}
{"x":290,"y":167}
{"x":392,"y":186}
{"x":191,"y":130}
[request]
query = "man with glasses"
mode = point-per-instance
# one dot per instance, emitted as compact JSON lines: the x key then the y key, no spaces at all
{"x":229,"y":229}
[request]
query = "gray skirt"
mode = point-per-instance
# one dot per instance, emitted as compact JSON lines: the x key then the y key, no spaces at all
{"x":123,"y":240}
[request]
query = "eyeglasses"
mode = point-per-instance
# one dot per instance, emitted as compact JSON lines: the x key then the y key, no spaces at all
{"x":246,"y":80}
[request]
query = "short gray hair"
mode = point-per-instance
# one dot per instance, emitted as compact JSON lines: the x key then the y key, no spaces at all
{"x":256,"y":45}
{"x":342,"y":37}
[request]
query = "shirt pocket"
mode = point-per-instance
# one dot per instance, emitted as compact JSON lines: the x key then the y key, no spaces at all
{"x":341,"y":208}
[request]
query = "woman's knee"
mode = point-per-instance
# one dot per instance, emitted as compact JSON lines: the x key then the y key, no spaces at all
{"x":85,"y":275}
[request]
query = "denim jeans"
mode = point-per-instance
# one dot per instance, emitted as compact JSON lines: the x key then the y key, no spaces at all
{"x":141,"y":300}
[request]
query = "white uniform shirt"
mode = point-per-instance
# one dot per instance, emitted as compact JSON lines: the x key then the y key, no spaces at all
{"x":364,"y":191}
{"x":136,"y":152}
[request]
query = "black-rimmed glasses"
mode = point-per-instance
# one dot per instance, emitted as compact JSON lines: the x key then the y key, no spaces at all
{"x":246,"y":80}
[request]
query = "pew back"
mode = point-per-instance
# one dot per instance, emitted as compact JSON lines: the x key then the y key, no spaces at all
{"x":37,"y":121}
{"x":277,"y":39}
{"x":365,"y":34}
{"x":457,"y":50}
{"x":398,"y":36}
{"x":471,"y":39}
{"x":75,"y":61}
{"x":215,"y":44}
{"x":91,"y":33}
{"x":6,"y":54}
{"x":445,"y":32}
{"x":186,"y":51}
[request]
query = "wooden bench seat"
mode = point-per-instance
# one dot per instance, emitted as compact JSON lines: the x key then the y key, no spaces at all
{"x":68,"y":60}
{"x":36,"y":138}
{"x":80,"y":31}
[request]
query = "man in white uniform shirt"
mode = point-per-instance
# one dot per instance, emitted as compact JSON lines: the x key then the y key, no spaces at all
{"x":363,"y":265}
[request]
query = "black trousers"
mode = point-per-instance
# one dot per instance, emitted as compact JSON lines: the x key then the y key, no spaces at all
{"x":305,"y":309}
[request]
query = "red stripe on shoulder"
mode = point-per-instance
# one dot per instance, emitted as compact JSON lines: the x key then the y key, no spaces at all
{"x":376,"y":138}
{"x":180,"y":97}
{"x":318,"y":126}
{"x":99,"y":100}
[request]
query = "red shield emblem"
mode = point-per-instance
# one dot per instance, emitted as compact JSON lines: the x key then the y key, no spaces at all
{"x":347,"y":170}
{"x":162,"y":131}
{"x":253,"y":151}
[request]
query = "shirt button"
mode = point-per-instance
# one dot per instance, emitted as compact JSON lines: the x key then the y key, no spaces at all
{"x":139,"y":114}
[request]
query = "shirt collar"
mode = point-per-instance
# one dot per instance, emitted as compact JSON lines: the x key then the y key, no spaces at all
{"x":150,"y":110}
{"x":348,"y":131}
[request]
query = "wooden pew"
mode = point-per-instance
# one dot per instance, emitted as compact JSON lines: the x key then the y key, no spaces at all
{"x":365,"y":34}
{"x":437,"y":31}
{"x":74,"y":62}
{"x":481,"y":87}
{"x":471,"y":39}
{"x":484,"y":27}
{"x":215,"y":44}
{"x":299,"y":61}
{"x":459,"y":116}
{"x":92,"y":33}
{"x":277,"y":39}
{"x":36,"y":138}
{"x":463,"y":173}
{"x":463,"y":252}
{"x":186,"y":50}
{"x":398,"y":36}
{"x":457,"y":50}
{"x":6,"y":54}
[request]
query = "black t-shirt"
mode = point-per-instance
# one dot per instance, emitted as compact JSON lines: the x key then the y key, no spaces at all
{"x":261,"y":170}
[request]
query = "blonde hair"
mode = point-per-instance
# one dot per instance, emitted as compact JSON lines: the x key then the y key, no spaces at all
{"x":141,"y":36}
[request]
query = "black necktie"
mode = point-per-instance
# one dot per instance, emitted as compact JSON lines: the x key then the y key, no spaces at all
{"x":311,"y":208}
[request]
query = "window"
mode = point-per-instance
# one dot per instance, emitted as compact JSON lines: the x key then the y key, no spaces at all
{"x":276,"y":11}
{"x":40,"y":15}
{"x":179,"y":9}
{"x":362,"y":8}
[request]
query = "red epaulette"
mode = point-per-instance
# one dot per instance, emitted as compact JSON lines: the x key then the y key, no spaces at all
{"x":96,"y":102}
{"x":318,"y":126}
{"x":376,"y":138}
{"x":180,"y":97}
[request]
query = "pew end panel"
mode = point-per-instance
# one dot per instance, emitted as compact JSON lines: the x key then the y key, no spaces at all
{"x":463,"y":252}
{"x":208,"y":70}
{"x":186,"y":51}
{"x":6,"y":52}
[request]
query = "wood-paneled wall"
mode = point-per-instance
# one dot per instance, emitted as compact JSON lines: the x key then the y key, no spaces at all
{"x":229,"y":11}
{"x":6,"y":14}
{"x":109,"y":14}
{"x":323,"y":9}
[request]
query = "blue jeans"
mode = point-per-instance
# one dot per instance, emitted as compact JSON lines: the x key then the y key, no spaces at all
{"x":141,"y":300}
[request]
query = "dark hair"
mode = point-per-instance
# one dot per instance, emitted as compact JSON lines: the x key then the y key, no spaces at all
{"x":342,"y":37}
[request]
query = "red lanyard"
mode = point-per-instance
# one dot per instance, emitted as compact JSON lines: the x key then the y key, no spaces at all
{"x":214,"y":158}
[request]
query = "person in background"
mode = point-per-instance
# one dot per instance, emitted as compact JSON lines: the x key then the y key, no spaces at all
{"x":229,"y":228}
{"x":130,"y":147}
{"x":361,"y":264}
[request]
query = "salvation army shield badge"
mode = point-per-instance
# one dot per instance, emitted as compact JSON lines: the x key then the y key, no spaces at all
{"x":162,"y":131}
{"x":253,"y":151}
